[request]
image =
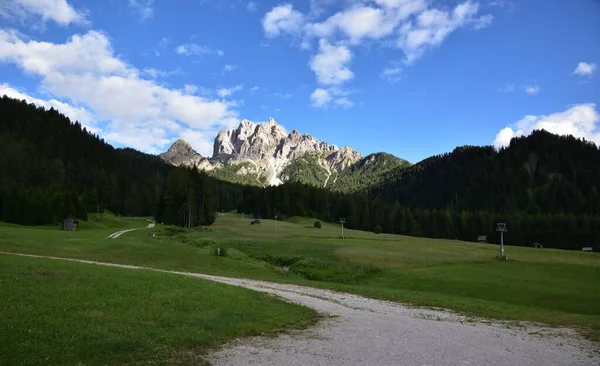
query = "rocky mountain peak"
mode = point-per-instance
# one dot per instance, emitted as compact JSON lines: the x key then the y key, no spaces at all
{"x":181,"y":152}
{"x":267,"y":147}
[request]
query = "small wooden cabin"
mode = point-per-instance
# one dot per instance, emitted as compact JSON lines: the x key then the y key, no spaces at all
{"x":70,"y":224}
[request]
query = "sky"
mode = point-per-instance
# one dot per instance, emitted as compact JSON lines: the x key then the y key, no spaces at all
{"x":413,"y":78}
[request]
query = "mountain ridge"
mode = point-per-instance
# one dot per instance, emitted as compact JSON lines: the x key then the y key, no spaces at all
{"x":265,"y":154}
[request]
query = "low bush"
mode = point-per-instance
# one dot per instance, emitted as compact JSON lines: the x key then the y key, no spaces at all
{"x":321,"y":270}
{"x":377,"y":229}
{"x":279,"y":261}
{"x":318,"y":224}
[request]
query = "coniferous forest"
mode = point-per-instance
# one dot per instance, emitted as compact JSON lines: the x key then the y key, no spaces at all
{"x":544,"y":186}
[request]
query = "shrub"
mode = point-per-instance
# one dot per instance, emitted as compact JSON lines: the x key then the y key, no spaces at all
{"x":377,"y":229}
{"x":318,"y":224}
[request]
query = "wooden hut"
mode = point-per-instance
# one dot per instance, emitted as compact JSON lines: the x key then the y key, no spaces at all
{"x":70,"y":224}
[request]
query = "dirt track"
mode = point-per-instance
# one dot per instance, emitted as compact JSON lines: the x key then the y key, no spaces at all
{"x":361,"y":331}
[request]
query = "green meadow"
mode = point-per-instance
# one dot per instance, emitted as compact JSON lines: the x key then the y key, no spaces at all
{"x":552,"y":287}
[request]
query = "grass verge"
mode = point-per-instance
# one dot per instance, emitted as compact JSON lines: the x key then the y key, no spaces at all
{"x":55,"y":312}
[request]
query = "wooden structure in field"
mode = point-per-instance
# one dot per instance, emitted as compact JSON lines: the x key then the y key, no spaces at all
{"x":70,"y":224}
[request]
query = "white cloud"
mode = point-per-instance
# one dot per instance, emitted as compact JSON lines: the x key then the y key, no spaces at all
{"x":531,"y":89}
{"x":282,"y":19}
{"x":228,"y":68}
{"x":527,"y":88}
{"x":156,"y":73}
{"x":580,"y":121}
{"x":585,"y":69}
{"x":140,"y":112}
{"x":143,"y":8}
{"x":57,"y":10}
{"x":344,"y":102}
{"x":330,"y":64}
{"x":392,"y":74}
{"x":408,"y":25}
{"x":320,"y":98}
{"x":190,"y":89}
{"x":75,"y":113}
{"x":254,"y":89}
{"x":227,"y":92}
{"x":483,"y":21}
{"x":432,"y":27}
{"x":252,"y":6}
{"x":193,"y":49}
{"x":359,"y":21}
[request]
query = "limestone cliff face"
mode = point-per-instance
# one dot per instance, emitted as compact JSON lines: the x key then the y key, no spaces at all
{"x":182,"y":153}
{"x":267,"y":147}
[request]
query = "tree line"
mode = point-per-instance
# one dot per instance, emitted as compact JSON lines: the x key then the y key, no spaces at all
{"x":544,"y":186}
{"x":52,"y":167}
{"x":564,"y":231}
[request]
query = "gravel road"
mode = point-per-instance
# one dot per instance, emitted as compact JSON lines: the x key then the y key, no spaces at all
{"x":119,"y":233}
{"x":359,"y":331}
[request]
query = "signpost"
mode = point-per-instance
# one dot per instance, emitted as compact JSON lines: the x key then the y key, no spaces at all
{"x":501,"y":227}
{"x":342,"y":221}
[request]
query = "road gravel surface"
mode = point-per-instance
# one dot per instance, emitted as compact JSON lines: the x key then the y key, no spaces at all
{"x":355,"y":330}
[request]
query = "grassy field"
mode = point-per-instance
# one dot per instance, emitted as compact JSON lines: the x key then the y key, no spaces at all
{"x":559,"y":288}
{"x":65,"y":313}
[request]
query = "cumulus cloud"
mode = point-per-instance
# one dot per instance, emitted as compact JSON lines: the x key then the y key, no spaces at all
{"x":585,"y":69}
{"x":431,"y":28}
{"x":282,"y":19}
{"x":330,"y":64}
{"x":140,"y":112}
{"x":59,"y":11}
{"x":194,"y":49}
{"x":580,"y":121}
{"x":323,"y":98}
{"x":412,"y":26}
{"x":320,"y":98}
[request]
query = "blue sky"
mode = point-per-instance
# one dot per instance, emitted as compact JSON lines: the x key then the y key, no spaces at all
{"x":410,"y":77}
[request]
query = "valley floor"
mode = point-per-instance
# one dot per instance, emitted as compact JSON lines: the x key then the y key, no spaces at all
{"x":359,"y":330}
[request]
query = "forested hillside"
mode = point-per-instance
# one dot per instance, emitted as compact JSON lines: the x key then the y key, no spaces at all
{"x":544,"y":186}
{"x":368,"y":172}
{"x":51,"y":168}
{"x":541,"y":173}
